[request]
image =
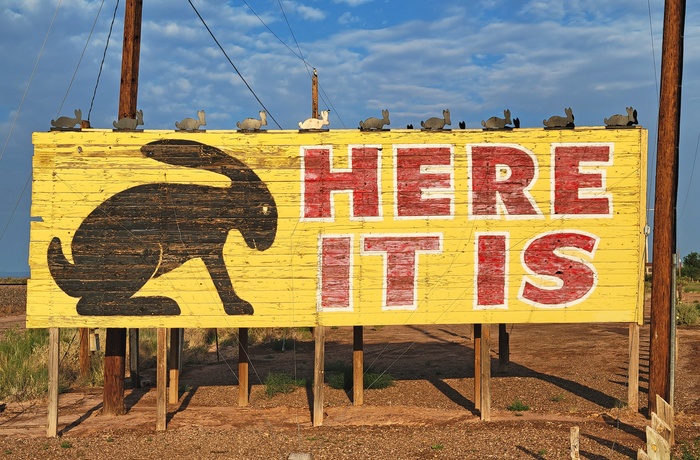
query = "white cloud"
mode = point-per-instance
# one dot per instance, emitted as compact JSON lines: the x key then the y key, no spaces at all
{"x":347,"y":18}
{"x":352,"y":2}
{"x":307,"y":12}
{"x":172,"y":29}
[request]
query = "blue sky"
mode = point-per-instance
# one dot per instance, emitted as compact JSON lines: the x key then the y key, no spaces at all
{"x":534,"y":57}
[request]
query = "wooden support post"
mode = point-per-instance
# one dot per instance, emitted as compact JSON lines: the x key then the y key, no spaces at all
{"x":503,"y":347}
{"x":52,"y":426}
{"x":358,"y":366}
{"x":485,"y":383}
{"x":314,"y":95}
{"x":174,"y":366}
{"x":113,"y":390}
{"x":633,"y":371}
{"x":243,"y":362}
{"x":319,"y":373}
{"x":85,"y":360}
{"x":666,"y":194}
{"x":574,"y":440}
{"x":134,"y":365}
{"x":477,"y":366}
{"x":161,"y":379}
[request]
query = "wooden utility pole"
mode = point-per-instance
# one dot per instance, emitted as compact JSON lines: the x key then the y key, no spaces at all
{"x":664,"y":243}
{"x":314,"y":95}
{"x":115,"y":341}
{"x":131,"y":51}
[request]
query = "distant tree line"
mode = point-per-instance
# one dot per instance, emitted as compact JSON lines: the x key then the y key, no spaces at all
{"x":691,"y":266}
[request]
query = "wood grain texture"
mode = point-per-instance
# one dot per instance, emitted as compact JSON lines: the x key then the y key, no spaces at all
{"x":409,"y":252}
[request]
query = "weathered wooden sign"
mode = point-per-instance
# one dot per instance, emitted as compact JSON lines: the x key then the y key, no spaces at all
{"x":288,"y":228}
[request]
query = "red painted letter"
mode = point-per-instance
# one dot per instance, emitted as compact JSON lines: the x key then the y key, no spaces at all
{"x":500,"y":178}
{"x":576,"y":191}
{"x":321,"y":180}
{"x":491,"y":270}
{"x":401,"y":265}
{"x":335,"y":272}
{"x":415,"y":183}
{"x":564,"y":280}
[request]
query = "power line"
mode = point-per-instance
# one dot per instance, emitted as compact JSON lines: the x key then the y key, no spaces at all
{"x":81,"y":59}
{"x":232,"y":64}
{"x":299,"y":55}
{"x":31,"y":78}
{"x":652,"y":167}
{"x":276,"y":36}
{"x":104,"y":55}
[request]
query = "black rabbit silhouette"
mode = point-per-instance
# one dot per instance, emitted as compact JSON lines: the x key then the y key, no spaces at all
{"x":148,"y":230}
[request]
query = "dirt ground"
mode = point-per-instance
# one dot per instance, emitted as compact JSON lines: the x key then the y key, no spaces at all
{"x":568,"y":375}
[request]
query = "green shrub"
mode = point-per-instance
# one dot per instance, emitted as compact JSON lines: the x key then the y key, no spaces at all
{"x":339,"y":375}
{"x":280,"y":382}
{"x":690,"y":451}
{"x":373,"y":381}
{"x":687,"y":314}
{"x":14,"y":281}
{"x":518,"y":406}
{"x":23,"y":364}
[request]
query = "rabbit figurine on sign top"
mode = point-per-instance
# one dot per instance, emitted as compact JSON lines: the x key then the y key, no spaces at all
{"x":190,"y":124}
{"x":67,"y":123}
{"x":622,"y":121}
{"x":500,"y":123}
{"x":129,"y":123}
{"x":315,"y":123}
{"x":375,"y":124}
{"x":436,"y":123}
{"x":253,"y":124}
{"x":559,"y":122}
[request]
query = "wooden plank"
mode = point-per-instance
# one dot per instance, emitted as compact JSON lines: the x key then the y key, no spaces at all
{"x":503,"y":347}
{"x":84,"y":357}
{"x":485,"y":352}
{"x":52,"y":425}
{"x":633,"y":371}
{"x":642,"y":455}
{"x":358,"y":365}
{"x":574,"y":441}
{"x":657,"y":447}
{"x":477,"y":366}
{"x":665,"y":412}
{"x":243,"y":362}
{"x":134,"y":364}
{"x":174,"y":366}
{"x":661,"y":427}
{"x":69,"y":187}
{"x":161,"y":379}
{"x":319,"y":373}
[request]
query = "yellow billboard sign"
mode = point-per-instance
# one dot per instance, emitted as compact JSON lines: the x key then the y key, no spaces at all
{"x":288,"y":228}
